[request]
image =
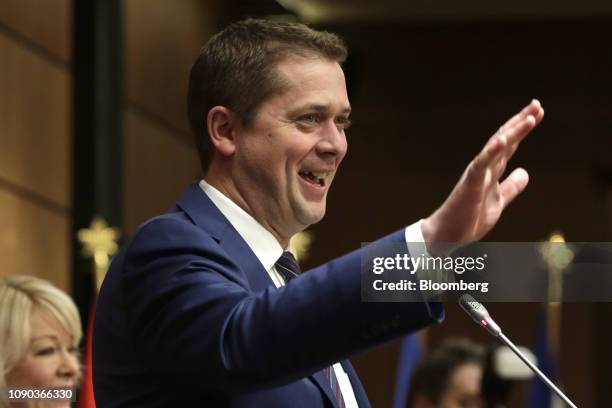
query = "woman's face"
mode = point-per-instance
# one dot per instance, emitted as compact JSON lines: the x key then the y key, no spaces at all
{"x":50,"y":360}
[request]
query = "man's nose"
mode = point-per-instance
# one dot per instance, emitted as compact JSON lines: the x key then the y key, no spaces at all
{"x":333,"y":140}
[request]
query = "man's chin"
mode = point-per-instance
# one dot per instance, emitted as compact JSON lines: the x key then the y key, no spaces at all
{"x":312,"y":214}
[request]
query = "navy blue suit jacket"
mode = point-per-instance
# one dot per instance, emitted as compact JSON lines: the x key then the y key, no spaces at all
{"x":187,"y":316}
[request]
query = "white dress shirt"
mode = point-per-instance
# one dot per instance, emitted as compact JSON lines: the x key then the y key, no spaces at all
{"x":267,"y":249}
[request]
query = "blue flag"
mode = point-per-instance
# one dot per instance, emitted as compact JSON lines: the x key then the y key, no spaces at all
{"x":410,"y":354}
{"x":540,"y":396}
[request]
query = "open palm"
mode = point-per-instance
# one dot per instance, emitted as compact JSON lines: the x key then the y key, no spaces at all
{"x":477,"y":201}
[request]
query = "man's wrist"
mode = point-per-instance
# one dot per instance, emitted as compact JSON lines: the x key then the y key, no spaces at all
{"x":426,"y":230}
{"x":435,"y":245}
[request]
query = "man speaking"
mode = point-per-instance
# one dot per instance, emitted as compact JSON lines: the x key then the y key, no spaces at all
{"x":205,"y":306}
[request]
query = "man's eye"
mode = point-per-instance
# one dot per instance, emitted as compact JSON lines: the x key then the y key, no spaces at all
{"x":309,"y":119}
{"x":343,"y":122}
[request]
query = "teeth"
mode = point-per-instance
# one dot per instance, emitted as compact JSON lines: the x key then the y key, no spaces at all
{"x":319,"y":176}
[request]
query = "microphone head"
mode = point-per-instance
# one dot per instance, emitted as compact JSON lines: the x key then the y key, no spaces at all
{"x":479,"y":314}
{"x":473,"y":307}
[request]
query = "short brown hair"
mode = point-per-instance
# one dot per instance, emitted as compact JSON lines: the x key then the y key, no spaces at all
{"x":236,"y":69}
{"x":432,"y":375}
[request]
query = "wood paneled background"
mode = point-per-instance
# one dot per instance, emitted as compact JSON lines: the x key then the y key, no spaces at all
{"x":35,"y":139}
{"x":162,"y":39}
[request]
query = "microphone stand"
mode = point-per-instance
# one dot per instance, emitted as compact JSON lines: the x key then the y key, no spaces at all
{"x":536,"y":370}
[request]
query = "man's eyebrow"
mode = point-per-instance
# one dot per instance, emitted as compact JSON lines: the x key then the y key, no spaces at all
{"x":319,"y":108}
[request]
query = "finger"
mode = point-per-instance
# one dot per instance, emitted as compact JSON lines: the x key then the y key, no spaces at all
{"x":533,"y":108}
{"x":539,"y":115}
{"x":513,"y":137}
{"x":500,"y":167}
{"x":490,"y":154}
{"x":513,"y":185}
{"x":516,"y":134}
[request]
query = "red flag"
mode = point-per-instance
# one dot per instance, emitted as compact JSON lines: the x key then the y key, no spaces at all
{"x":87,"y":393}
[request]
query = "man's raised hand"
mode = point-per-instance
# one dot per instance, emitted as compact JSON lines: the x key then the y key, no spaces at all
{"x":477,"y":201}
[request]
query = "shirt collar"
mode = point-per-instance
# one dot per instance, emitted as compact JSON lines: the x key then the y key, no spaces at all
{"x":263,"y":244}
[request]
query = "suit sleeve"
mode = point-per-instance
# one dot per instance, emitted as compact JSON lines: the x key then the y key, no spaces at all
{"x":194,"y":319}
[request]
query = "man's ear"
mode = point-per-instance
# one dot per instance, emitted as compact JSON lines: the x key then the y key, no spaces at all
{"x":221,"y":124}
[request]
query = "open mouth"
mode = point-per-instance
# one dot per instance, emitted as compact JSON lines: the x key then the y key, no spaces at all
{"x":315,"y":178}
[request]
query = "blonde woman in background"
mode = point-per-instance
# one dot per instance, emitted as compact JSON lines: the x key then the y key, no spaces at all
{"x":40,"y":330}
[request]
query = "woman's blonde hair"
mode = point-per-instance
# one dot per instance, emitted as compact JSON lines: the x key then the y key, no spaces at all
{"x":18,"y":295}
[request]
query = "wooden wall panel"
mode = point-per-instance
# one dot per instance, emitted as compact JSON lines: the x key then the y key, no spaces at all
{"x":162,"y":39}
{"x":158,"y":167}
{"x":33,"y":240}
{"x":34,"y":123}
{"x":47,"y":23}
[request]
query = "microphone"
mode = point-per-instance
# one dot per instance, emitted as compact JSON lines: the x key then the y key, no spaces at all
{"x":480,"y":315}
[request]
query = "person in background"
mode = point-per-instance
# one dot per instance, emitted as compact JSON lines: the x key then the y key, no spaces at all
{"x":450,"y":377}
{"x":40,"y":330}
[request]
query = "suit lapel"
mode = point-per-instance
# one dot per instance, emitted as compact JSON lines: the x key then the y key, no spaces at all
{"x":321,"y":381}
{"x":239,"y":251}
{"x":203,"y":212}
